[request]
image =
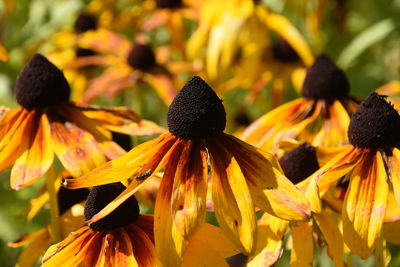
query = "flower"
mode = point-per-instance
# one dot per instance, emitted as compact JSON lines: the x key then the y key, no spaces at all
{"x":371,"y":163}
{"x":125,"y":237}
{"x":71,"y":218}
{"x":127,"y":64}
{"x":318,"y":118}
{"x":3,"y":53}
{"x":239,"y":28}
{"x":242,"y":176}
{"x":298,"y":164}
{"x":48,"y":124}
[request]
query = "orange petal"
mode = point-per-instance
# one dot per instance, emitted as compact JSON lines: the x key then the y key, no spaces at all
{"x":365,"y":204}
{"x":189,"y":191}
{"x":36,"y":158}
{"x":15,"y":141}
{"x":143,"y":159}
{"x":286,"y":121}
{"x":168,"y":240}
{"x":394,"y":172}
{"x":71,"y":250}
{"x":391,"y":233}
{"x":3,"y":53}
{"x":77,"y":149}
{"x":233,"y":204}
{"x":143,"y":246}
{"x":333,"y":131}
{"x":123,"y":249}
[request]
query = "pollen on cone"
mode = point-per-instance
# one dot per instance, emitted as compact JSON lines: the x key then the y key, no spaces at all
{"x":375,"y":124}
{"x":101,"y":196}
{"x":196,"y":111}
{"x":41,"y":84}
{"x":324,"y":80}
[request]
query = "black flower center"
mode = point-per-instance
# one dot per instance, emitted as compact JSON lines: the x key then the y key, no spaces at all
{"x":375,"y":124}
{"x":85,"y":23}
{"x":69,"y":197}
{"x":41,"y":84}
{"x":122,"y":140}
{"x":141,"y":57}
{"x":242,"y":119}
{"x":299,"y":163}
{"x":284,"y":52}
{"x":196,"y":112}
{"x":324,"y":80}
{"x":101,"y":196}
{"x":169,"y":3}
{"x":83,"y":52}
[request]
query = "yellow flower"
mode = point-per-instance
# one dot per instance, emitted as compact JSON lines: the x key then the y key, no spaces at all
{"x":126,"y":65}
{"x":71,"y":218}
{"x":48,"y":124}
{"x":298,"y":164}
{"x":319,"y":117}
{"x":125,"y":238}
{"x":239,"y":27}
{"x":371,"y":162}
{"x":242,"y":176}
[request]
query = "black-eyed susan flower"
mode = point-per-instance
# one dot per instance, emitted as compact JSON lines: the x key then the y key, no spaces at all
{"x":298,"y":164}
{"x":318,"y":118}
{"x":127,"y":64}
{"x":242,"y":176}
{"x":239,"y":28}
{"x":371,"y":161}
{"x":70,"y":204}
{"x":125,"y":238}
{"x":48,"y":123}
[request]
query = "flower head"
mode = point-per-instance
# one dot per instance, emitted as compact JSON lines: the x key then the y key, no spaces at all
{"x":48,"y":123}
{"x":242,"y":176}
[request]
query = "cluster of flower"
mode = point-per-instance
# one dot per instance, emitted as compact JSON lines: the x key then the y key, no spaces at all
{"x":323,"y":169}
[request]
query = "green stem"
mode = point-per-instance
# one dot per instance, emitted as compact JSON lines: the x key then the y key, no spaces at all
{"x":54,"y":211}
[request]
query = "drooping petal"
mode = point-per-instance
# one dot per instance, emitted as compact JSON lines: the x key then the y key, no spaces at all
{"x":286,"y":121}
{"x":77,"y":149}
{"x":332,"y":235}
{"x":144,"y":159}
{"x":37,"y":242}
{"x":365,"y":205}
{"x":143,"y":246}
{"x":333,"y":131}
{"x":303,"y":244}
{"x":394,"y":172}
{"x":199,"y":254}
{"x":70,"y":251}
{"x":15,"y":141}
{"x":37,"y":156}
{"x":233,"y":204}
{"x":189,"y":190}
{"x":169,"y":242}
{"x":269,"y":241}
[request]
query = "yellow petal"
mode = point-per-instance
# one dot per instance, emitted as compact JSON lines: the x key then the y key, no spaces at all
{"x":365,"y":205}
{"x":37,"y":156}
{"x":233,"y":204}
{"x":394,"y":172}
{"x":123,"y":250}
{"x":77,"y":149}
{"x":142,"y":245}
{"x":189,"y":191}
{"x":303,"y":244}
{"x":200,"y":254}
{"x":332,"y":235}
{"x":391,"y":233}
{"x":163,"y":86}
{"x":271,"y":231}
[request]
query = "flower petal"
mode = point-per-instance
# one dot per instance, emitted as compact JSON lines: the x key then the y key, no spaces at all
{"x":271,"y":231}
{"x":303,"y":244}
{"x":394,"y":172}
{"x":77,"y":149}
{"x":365,"y":205}
{"x":189,"y":190}
{"x":233,"y":204}
{"x":200,"y":254}
{"x":168,"y":240}
{"x":123,"y":250}
{"x":332,"y":235}
{"x":163,"y":86}
{"x":36,"y":158}
{"x":143,"y":246}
